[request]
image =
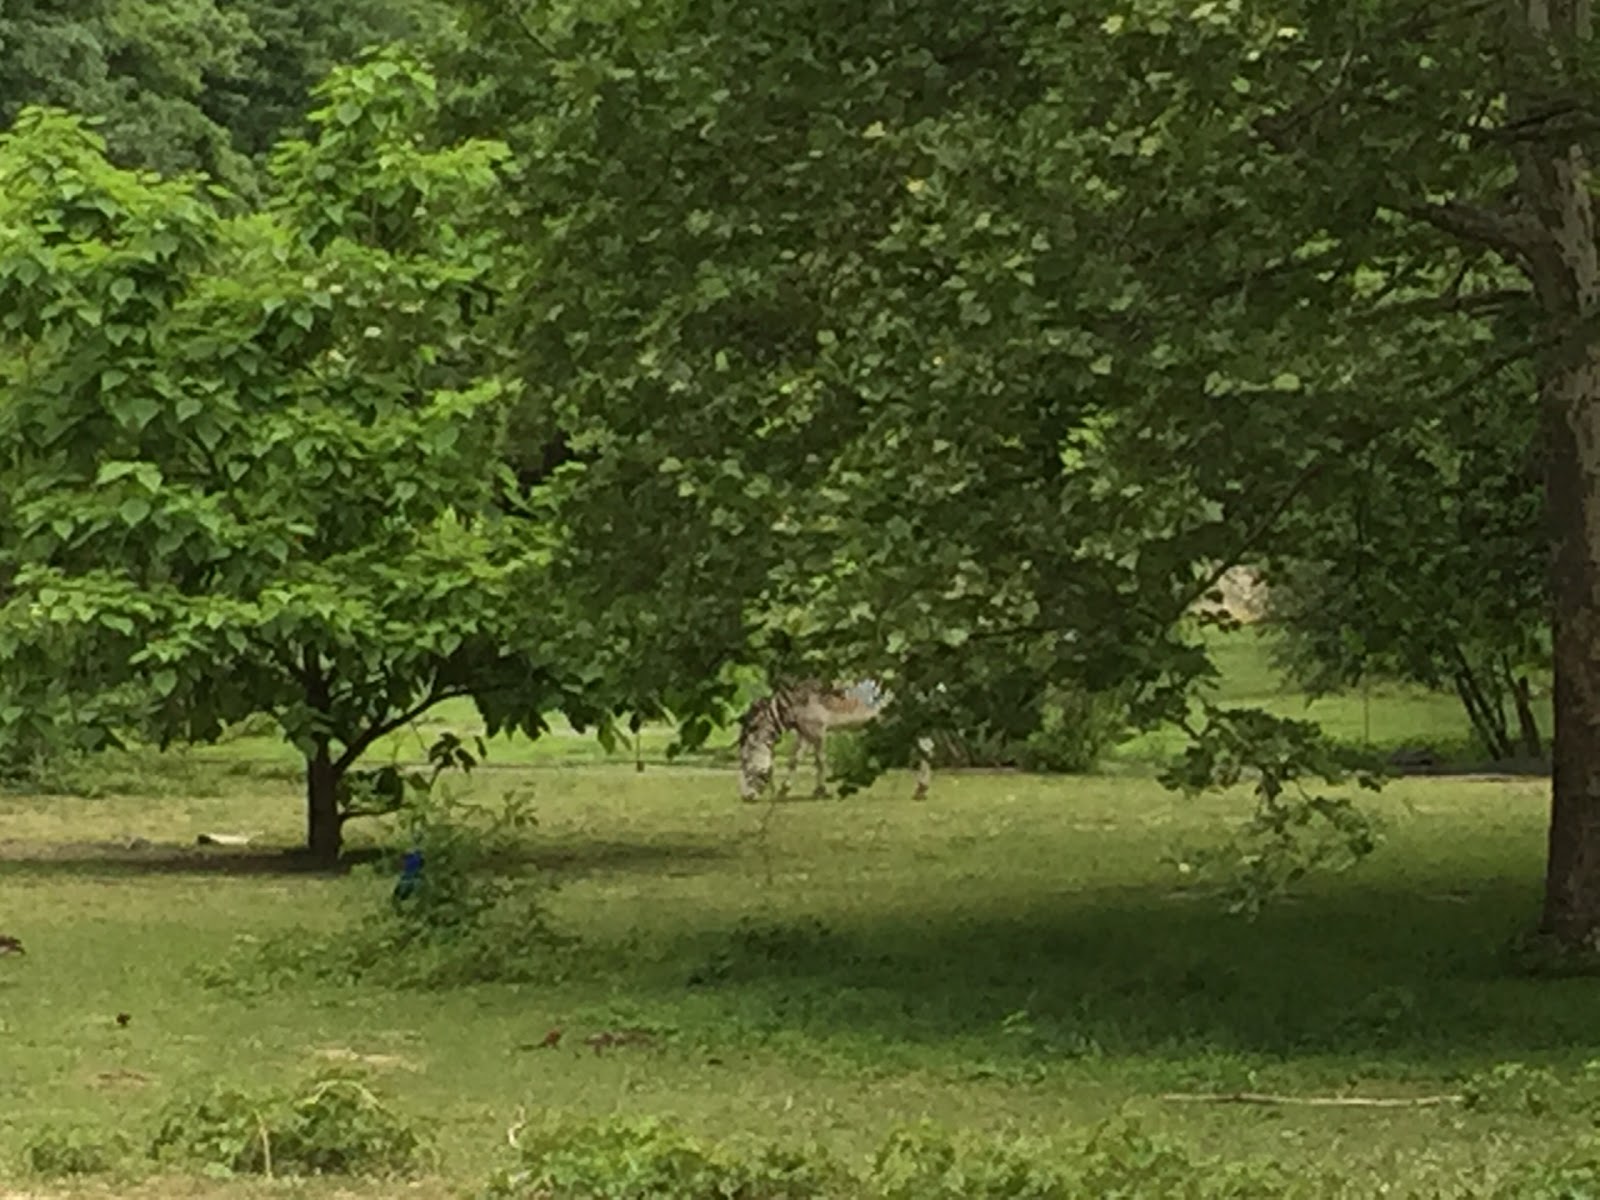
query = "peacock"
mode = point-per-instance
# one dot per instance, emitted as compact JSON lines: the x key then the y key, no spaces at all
{"x":410,"y":877}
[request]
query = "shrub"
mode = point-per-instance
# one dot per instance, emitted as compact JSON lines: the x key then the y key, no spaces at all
{"x":1069,"y":732}
{"x":334,"y":1125}
{"x":473,"y":916}
{"x":926,"y":1163}
{"x":648,"y":1160}
{"x":632,"y":1160}
{"x":1075,"y":728}
{"x":1530,"y":1091}
{"x":65,"y":1152}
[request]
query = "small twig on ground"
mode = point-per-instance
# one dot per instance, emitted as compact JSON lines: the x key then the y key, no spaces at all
{"x":1312,"y":1101}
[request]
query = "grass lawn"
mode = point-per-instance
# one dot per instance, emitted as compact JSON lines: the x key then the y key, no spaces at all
{"x":1011,"y":955}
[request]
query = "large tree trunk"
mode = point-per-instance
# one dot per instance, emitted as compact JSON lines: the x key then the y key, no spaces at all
{"x":1572,"y":882}
{"x":324,"y":825}
{"x":1554,"y":237}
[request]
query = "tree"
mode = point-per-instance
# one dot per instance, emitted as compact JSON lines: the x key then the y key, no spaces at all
{"x":1010,"y":328}
{"x":138,"y":65}
{"x":248,"y":462}
{"x":260,"y":94}
{"x":1429,"y":566}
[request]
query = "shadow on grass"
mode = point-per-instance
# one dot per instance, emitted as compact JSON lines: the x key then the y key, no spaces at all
{"x":1386,"y":976}
{"x":120,"y":860}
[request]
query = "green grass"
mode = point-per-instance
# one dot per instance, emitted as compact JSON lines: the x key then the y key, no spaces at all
{"x":1012,"y":954}
{"x":1384,"y":716}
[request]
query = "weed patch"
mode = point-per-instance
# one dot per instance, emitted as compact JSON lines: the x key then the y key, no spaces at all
{"x":335,"y":1125}
{"x":462,"y":911}
{"x":632,"y":1160}
{"x":70,"y":1152}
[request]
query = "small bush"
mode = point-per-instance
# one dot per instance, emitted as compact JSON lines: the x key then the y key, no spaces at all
{"x":141,"y":771}
{"x":1075,"y":729}
{"x":926,"y":1163}
{"x":1573,"y":1174}
{"x":1071,"y":733}
{"x":472,"y":916}
{"x":647,"y":1160}
{"x":334,"y":1125}
{"x":68,"y":1152}
{"x":632,"y":1160}
{"x":1529,"y":1091}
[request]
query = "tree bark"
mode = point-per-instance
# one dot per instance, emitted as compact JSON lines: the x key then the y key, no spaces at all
{"x":1572,"y":881}
{"x":1560,"y":257}
{"x":324,"y":825}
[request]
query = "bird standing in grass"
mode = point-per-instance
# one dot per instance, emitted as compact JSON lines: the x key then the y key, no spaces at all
{"x":410,"y":877}
{"x":10,"y":945}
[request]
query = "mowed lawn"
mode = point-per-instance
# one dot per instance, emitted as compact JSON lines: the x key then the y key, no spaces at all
{"x":1012,"y":953}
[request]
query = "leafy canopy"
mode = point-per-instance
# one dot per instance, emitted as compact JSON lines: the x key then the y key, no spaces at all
{"x":249,"y":462}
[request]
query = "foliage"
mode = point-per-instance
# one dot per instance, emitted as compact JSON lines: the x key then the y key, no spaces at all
{"x":140,"y":66}
{"x":1573,"y":1174}
{"x":197,"y":85}
{"x":245,"y":458}
{"x":1435,"y":572}
{"x":333,"y":1124}
{"x":636,"y":1160}
{"x":260,"y":96}
{"x":620,"y":1160}
{"x":478,"y":915}
{"x":58,"y":1152}
{"x":1076,"y":727}
{"x":1293,"y":830}
{"x":1534,"y":1091}
{"x":996,"y":363}
{"x":1000,"y":336}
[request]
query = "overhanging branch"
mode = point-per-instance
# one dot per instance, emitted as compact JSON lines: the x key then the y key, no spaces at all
{"x":359,"y":744}
{"x":1472,"y":302}
{"x":1514,"y":237}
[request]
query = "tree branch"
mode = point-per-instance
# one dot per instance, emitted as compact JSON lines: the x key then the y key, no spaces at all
{"x":357,"y":746}
{"x":1255,"y":533}
{"x":1472,"y":302}
{"x":1515,"y":238}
